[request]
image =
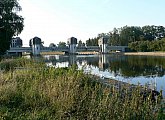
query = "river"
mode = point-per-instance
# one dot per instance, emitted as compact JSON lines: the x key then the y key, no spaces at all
{"x":141,"y":70}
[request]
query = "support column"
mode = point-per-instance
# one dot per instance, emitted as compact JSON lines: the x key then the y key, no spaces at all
{"x":35,"y":44}
{"x":103,"y":45}
{"x":72,"y":42}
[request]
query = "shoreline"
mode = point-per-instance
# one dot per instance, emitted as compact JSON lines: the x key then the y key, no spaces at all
{"x":145,"y":53}
{"x":63,"y":53}
{"x":52,"y":53}
{"x":122,"y":53}
{"x":144,"y":89}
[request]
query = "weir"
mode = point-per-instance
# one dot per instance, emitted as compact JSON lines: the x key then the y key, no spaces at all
{"x":36,"y":47}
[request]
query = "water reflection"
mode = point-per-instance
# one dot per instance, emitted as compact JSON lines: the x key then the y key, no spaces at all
{"x":126,"y":66}
{"x":103,"y":62}
{"x":143,"y":69}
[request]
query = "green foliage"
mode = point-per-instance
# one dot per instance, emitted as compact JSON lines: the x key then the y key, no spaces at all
{"x":81,"y":44}
{"x":66,"y":93}
{"x":92,"y":42}
{"x":10,"y":22}
{"x":62,"y":44}
{"x":52,"y":45}
{"x":148,"y":46}
{"x":11,"y":64}
{"x":128,"y":34}
{"x":153,"y":32}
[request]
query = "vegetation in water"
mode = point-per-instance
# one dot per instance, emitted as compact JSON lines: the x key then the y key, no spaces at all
{"x":31,"y":90}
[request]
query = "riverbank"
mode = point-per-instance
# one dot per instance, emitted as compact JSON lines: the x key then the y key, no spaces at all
{"x":40,"y":92}
{"x":88,"y":53}
{"x":52,"y":53}
{"x":62,"y":53}
{"x":145,"y":53}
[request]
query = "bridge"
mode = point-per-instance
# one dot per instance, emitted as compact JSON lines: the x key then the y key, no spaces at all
{"x":72,"y":48}
{"x":18,"y":50}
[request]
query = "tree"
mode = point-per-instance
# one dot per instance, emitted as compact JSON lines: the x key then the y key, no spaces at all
{"x":114,"y":37}
{"x":88,"y":42}
{"x":153,"y":32}
{"x":92,"y":41}
{"x":11,"y":24}
{"x":130,"y":34}
{"x":62,"y":44}
{"x":80,"y":44}
{"x":52,"y":45}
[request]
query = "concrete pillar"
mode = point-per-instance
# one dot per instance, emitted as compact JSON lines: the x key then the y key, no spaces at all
{"x":104,"y":48}
{"x":36,"y":48}
{"x":72,"y":42}
{"x":103,"y":45}
{"x":35,"y":44}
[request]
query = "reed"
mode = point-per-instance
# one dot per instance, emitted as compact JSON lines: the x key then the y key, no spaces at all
{"x":40,"y":92}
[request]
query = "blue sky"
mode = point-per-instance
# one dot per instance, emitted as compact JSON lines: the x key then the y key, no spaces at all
{"x":57,"y":20}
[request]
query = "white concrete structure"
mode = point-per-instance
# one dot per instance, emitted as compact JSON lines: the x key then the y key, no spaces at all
{"x":35,"y":43}
{"x":72,"y":42}
{"x":36,"y":47}
{"x":103,"y":45}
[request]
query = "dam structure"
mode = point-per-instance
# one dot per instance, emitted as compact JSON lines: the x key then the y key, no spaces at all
{"x":36,"y":47}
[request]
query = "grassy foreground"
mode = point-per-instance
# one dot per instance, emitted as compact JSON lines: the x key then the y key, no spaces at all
{"x":37,"y":92}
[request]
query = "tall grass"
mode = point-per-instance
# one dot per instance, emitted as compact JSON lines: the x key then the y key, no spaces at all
{"x":40,"y":92}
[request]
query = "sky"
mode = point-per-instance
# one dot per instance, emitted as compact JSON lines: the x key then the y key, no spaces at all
{"x":57,"y":20}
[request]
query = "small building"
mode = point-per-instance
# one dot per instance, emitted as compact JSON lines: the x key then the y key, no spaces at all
{"x":72,"y":42}
{"x":102,"y":42}
{"x":16,"y":42}
{"x":35,"y":44}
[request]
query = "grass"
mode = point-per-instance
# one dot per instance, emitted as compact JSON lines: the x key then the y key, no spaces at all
{"x":40,"y":92}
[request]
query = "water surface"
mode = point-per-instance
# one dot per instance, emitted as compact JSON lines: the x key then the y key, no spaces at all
{"x":133,"y":69}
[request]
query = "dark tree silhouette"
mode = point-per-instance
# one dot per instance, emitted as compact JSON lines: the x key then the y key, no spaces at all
{"x":11,"y":24}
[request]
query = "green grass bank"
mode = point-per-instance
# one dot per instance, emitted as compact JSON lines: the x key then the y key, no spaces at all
{"x":31,"y":90}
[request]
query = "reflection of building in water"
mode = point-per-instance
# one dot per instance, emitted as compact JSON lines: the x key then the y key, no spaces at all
{"x":72,"y":60}
{"x":61,"y":60}
{"x":53,"y":59}
{"x":103,"y":62}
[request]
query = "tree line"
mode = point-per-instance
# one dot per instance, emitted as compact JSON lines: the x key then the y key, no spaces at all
{"x":148,"y":46}
{"x":146,"y":38}
{"x":137,"y":38}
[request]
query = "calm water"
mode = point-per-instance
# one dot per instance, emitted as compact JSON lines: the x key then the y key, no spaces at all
{"x":133,"y":69}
